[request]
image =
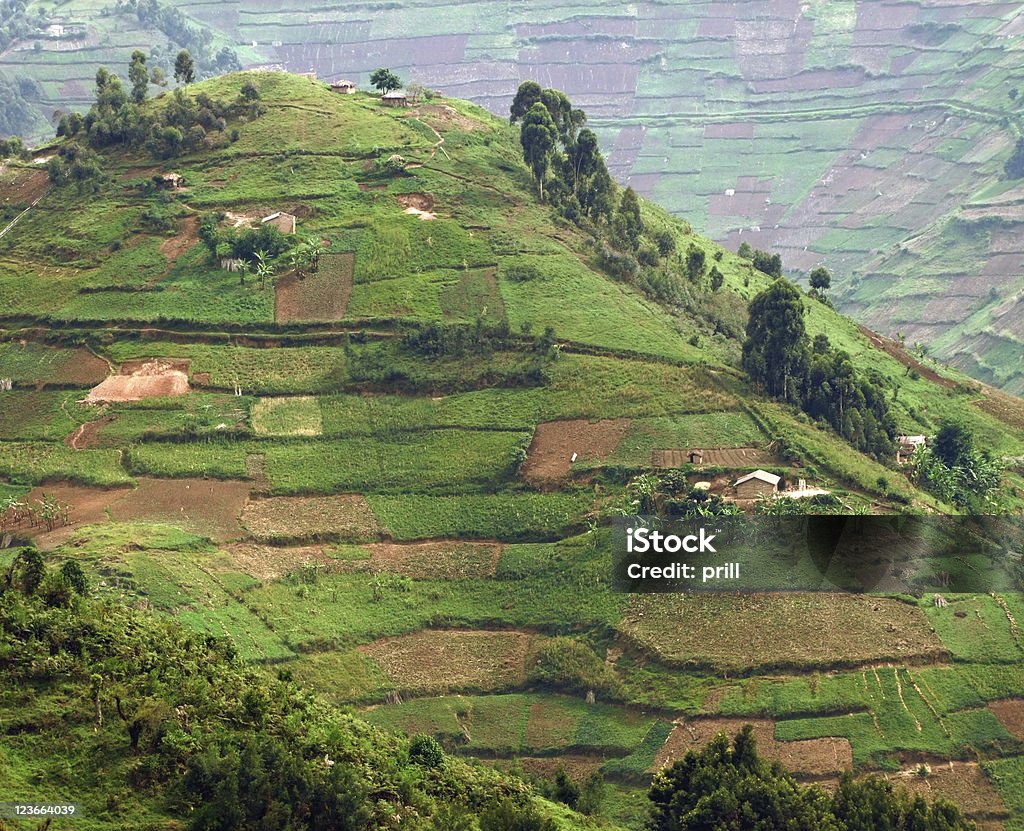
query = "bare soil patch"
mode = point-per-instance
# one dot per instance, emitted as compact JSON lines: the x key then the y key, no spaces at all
{"x":442,"y":117}
{"x":138,"y":380}
{"x":731,"y":457}
{"x":963,"y":783}
{"x":207,"y":506}
{"x":809,"y":757}
{"x":1006,"y":408}
{"x":293,"y":518}
{"x":79,"y":367}
{"x":186,"y":238}
{"x":420,"y":201}
{"x":440,"y":660}
{"x":87,"y":435}
{"x":267,"y":562}
{"x":549,"y":457}
{"x":22,"y":186}
{"x":439,"y":560}
{"x":87,"y":508}
{"x":322,"y":296}
{"x":1011,"y":713}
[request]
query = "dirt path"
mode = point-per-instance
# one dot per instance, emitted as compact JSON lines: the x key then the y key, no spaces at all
{"x":893,"y":349}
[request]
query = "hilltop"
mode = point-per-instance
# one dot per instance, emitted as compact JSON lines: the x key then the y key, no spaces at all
{"x":413,"y":447}
{"x":871,"y":136}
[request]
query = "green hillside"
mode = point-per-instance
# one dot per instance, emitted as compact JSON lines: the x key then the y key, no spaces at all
{"x":388,"y":476}
{"x":868,"y":136}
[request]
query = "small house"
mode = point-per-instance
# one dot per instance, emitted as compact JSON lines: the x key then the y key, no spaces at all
{"x":906,"y":446}
{"x":395,"y":98}
{"x":344,"y":87}
{"x":170,"y":180}
{"x":283,"y":221}
{"x":696,"y":457}
{"x":758,"y":483}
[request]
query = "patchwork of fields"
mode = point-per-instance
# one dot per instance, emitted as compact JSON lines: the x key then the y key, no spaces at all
{"x":422,"y":534}
{"x":869,"y":136}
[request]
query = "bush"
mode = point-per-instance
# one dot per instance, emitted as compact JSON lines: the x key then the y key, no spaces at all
{"x":424,"y":750}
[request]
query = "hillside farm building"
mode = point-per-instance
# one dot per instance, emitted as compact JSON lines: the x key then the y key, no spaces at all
{"x":907,"y":446}
{"x":284,"y":222}
{"x":344,"y":87}
{"x":758,"y":483}
{"x":395,"y":98}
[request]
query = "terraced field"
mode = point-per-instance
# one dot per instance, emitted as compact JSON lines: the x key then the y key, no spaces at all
{"x":408,"y":533}
{"x":869,"y":136}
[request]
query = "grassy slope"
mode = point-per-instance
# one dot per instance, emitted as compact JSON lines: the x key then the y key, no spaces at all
{"x":414,"y":457}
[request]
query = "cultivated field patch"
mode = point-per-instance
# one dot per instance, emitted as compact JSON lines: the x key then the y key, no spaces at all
{"x":88,"y":506}
{"x":139,"y":380}
{"x":550,"y":456}
{"x":295,"y":518}
{"x":322,"y":296}
{"x":962,"y":783}
{"x":208,"y":506}
{"x":738,"y":458}
{"x":442,"y":560}
{"x":297,"y":415}
{"x":22,"y":185}
{"x":440,"y":660}
{"x":32,"y":364}
{"x":1010,"y":713}
{"x":268,"y":562}
{"x":810,"y":757}
{"x":186,"y":237}
{"x":737,"y":633}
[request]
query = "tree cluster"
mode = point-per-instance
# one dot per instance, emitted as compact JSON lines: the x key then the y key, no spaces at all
{"x":562,"y":155}
{"x":955,"y":470}
{"x":728,"y":787}
{"x":184,"y":124}
{"x":210,"y":742}
{"x":822,"y":381}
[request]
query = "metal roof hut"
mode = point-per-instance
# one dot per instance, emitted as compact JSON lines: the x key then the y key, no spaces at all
{"x":283,"y":221}
{"x":758,"y":483}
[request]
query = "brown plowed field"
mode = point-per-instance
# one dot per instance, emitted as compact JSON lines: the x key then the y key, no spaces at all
{"x":550,"y":455}
{"x":267,"y":562}
{"x":810,"y":757}
{"x":322,"y":296}
{"x":730,"y":457}
{"x":893,"y":349}
{"x":962,"y":783}
{"x":87,"y":508}
{"x":1011,"y":713}
{"x":208,"y":506}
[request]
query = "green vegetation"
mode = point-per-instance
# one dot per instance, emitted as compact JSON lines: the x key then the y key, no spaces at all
{"x":733,"y":788}
{"x":369,"y":487}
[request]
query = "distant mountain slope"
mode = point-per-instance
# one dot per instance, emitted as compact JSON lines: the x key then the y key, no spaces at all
{"x":835,"y":131}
